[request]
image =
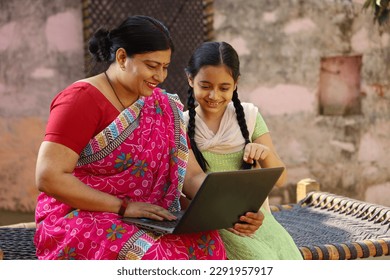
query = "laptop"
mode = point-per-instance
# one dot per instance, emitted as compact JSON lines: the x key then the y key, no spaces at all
{"x":222,"y":198}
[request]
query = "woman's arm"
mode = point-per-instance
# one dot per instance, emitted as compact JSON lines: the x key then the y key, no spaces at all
{"x":54,"y":176}
{"x":55,"y":165}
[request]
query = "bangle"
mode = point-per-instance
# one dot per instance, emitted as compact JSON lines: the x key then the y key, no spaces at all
{"x":123,"y":207}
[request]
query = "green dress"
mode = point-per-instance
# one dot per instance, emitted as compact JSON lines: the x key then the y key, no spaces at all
{"x":271,"y":241}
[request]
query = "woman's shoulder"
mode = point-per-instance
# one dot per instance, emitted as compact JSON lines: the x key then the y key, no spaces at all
{"x":80,"y":95}
{"x":79,"y":88}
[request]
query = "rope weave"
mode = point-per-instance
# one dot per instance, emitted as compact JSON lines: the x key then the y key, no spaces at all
{"x":17,"y":243}
{"x":328,"y":226}
{"x":324,"y":226}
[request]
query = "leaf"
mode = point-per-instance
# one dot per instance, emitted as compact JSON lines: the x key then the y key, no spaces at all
{"x":369,"y":3}
{"x":381,"y":9}
{"x":383,"y":17}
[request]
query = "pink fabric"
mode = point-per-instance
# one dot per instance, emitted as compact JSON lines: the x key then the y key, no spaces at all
{"x":144,"y":166}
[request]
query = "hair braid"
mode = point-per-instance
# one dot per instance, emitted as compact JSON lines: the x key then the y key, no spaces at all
{"x":242,"y":123}
{"x":191,"y":130}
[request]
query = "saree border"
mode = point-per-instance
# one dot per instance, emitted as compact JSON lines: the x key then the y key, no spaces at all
{"x":111,"y":137}
{"x":180,"y":137}
{"x":138,"y":244}
{"x":136,"y":247}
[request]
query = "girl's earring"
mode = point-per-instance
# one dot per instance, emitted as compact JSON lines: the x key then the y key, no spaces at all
{"x":123,"y":67}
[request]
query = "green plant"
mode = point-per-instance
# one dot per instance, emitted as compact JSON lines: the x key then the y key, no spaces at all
{"x":381,"y":10}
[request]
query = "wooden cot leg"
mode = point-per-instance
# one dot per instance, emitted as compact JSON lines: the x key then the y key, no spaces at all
{"x":305,"y":186}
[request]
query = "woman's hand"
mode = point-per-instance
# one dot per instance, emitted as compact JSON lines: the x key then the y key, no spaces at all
{"x":255,"y":151}
{"x":250,"y":223}
{"x":147,"y":210}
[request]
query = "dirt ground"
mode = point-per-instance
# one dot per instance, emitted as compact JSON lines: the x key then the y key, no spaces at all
{"x":9,"y":217}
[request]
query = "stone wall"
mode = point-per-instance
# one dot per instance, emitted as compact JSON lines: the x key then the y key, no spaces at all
{"x":41,"y":52}
{"x":281,"y":44}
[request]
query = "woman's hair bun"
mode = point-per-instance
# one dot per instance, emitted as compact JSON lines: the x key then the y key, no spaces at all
{"x":100,"y":45}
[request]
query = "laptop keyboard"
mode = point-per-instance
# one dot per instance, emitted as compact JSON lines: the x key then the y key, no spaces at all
{"x":166,"y":223}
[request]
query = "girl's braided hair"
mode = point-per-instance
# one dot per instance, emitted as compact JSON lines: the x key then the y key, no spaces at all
{"x":214,"y":54}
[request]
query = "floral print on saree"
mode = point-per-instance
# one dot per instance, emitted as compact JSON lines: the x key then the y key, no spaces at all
{"x":142,"y":154}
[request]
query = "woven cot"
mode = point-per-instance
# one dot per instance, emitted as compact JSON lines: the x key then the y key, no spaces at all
{"x":323,"y":225}
{"x":17,"y":243}
{"x":330,"y":227}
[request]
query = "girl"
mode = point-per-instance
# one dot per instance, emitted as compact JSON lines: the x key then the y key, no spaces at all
{"x":226,"y":134}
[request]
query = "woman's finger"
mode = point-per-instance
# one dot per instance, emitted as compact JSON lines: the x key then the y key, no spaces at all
{"x":161,"y":213}
{"x":150,"y":211}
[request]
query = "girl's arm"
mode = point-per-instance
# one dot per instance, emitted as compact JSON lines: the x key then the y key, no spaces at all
{"x":263,"y":150}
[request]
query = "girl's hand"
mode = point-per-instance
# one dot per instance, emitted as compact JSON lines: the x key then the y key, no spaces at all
{"x":255,"y":151}
{"x":250,"y":223}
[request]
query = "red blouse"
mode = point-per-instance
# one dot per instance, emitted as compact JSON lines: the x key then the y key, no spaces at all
{"x":77,"y":114}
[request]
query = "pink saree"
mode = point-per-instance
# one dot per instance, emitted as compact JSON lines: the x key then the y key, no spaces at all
{"x":143,"y":155}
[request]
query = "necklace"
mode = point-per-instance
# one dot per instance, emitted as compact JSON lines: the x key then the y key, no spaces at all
{"x":109,"y":82}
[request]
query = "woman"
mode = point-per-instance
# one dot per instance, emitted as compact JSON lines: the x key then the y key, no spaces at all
{"x":226,"y":134}
{"x":112,"y":149}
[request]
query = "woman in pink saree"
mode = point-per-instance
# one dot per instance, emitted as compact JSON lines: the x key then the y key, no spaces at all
{"x":115,"y":145}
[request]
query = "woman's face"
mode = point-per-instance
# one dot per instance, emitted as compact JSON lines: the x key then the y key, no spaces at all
{"x":213,"y":88}
{"x":143,"y":72}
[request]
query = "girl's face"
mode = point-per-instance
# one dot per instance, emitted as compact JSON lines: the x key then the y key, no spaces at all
{"x":213,"y":89}
{"x":145,"y":71}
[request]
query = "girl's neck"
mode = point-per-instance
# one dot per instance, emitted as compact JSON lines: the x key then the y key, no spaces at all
{"x":212,"y":120}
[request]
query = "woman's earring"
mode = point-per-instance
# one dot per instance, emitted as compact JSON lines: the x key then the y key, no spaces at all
{"x":123,"y":67}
